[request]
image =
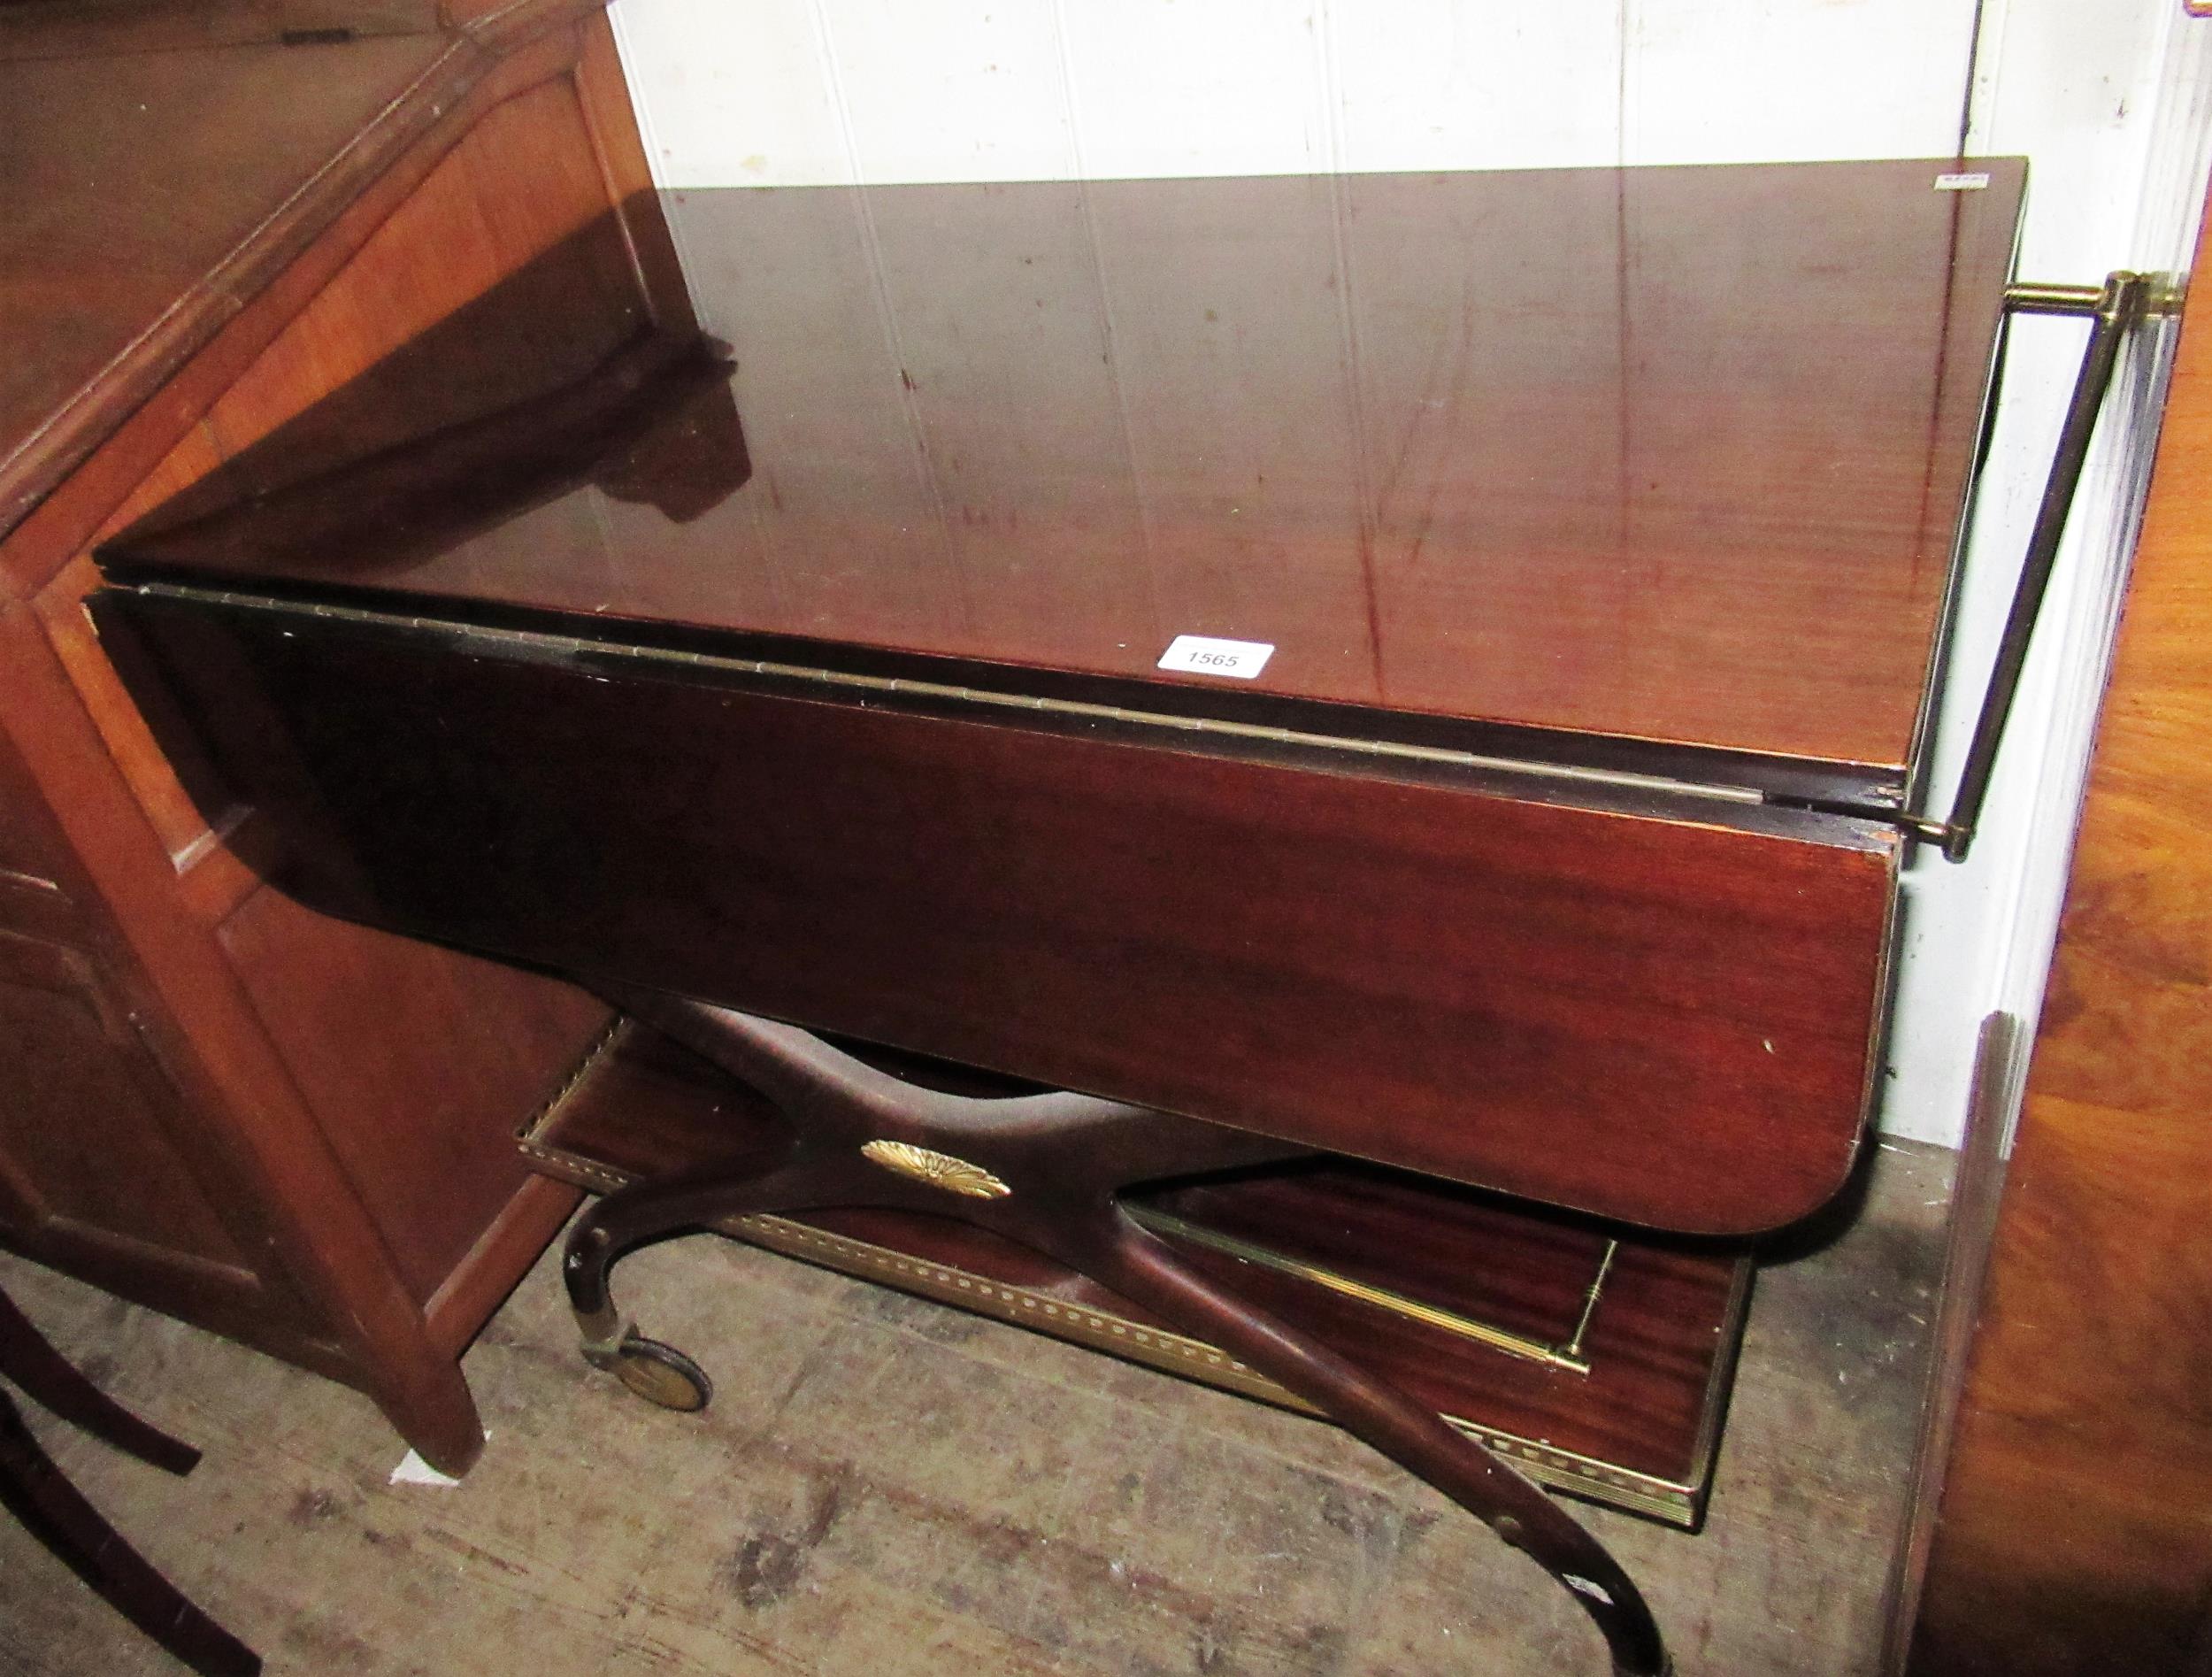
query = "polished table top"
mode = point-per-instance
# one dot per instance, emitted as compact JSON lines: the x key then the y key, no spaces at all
{"x":1672,"y":455}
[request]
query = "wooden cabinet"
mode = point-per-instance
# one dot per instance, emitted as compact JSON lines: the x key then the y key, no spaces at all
{"x":104,"y":1169}
{"x":289,"y":1130}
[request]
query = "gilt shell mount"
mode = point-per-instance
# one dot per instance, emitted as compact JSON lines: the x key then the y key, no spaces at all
{"x":938,"y":1170}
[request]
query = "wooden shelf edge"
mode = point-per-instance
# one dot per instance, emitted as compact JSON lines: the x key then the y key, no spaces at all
{"x":494,"y":1266}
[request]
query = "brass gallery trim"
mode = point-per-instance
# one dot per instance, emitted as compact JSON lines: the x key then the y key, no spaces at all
{"x":935,"y":1170}
{"x":1675,"y":1502}
{"x":1300,"y":737}
{"x":615,"y":1030}
{"x":1573,"y":1347}
{"x":1567,"y":1356}
{"x":1178,"y":1354}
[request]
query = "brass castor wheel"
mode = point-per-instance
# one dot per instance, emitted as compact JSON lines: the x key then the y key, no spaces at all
{"x":661,"y":1374}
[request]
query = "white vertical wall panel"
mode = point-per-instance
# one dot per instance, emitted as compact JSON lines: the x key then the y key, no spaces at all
{"x":2078,"y":89}
{"x":2112,"y":100}
{"x":976,"y":95}
{"x":1783,"y":80}
{"x":1440,"y":84}
{"x":733,"y":94}
{"x":809,"y":91}
{"x":2076,"y":86}
{"x":1196,"y":87}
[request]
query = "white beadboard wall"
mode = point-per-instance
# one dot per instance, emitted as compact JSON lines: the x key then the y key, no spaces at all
{"x":2111,"y":100}
{"x":831,"y":91}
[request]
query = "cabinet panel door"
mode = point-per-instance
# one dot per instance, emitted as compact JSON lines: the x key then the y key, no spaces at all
{"x":88,"y":1165}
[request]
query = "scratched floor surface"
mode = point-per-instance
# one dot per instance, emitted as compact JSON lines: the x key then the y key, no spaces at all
{"x":886,"y":1489}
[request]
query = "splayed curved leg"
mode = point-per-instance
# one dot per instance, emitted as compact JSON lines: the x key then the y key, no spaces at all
{"x":49,"y":1379}
{"x":1114,"y":1251}
{"x":780,"y":1179}
{"x":1045,"y":1171}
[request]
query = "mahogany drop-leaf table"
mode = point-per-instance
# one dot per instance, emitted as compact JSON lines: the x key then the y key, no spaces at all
{"x":1434,"y":670}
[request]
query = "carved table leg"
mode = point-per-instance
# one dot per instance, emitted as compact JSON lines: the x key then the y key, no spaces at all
{"x":33,"y":1490}
{"x":1044,"y":1170}
{"x":51,"y":1381}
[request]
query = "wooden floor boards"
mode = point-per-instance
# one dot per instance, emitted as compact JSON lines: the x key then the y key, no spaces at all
{"x":887,"y":1488}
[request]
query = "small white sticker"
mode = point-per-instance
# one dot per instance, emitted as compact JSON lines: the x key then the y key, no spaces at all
{"x":412,"y":1470}
{"x":1960,"y":182}
{"x":1202,"y":655}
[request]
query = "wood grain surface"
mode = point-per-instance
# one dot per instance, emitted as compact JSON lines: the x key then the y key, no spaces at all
{"x":1673,"y":454}
{"x":1661,"y":1019}
{"x":2073,"y":1535}
{"x":190,"y":1045}
{"x":151,"y":194}
{"x":99,"y":247}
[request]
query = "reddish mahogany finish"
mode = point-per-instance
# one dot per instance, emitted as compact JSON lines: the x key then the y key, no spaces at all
{"x":131,"y":178}
{"x":1676,"y":454}
{"x":1660,"y":1020}
{"x":1656,"y":471}
{"x":280,"y":1126}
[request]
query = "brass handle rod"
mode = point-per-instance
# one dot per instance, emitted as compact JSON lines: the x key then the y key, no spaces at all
{"x":1568,"y":1357}
{"x":2032,"y":297}
{"x":2119,"y":303}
